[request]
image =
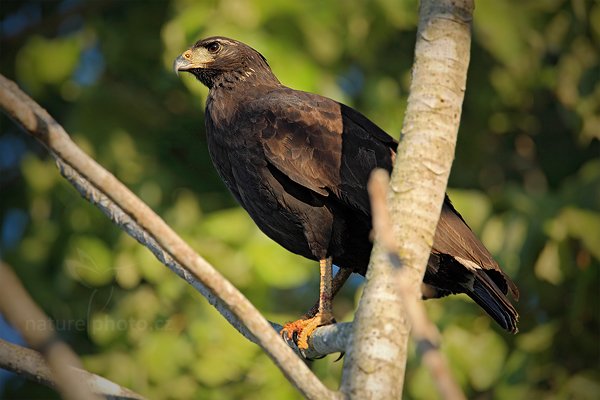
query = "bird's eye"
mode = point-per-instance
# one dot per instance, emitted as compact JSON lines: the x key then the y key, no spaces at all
{"x":213,"y":47}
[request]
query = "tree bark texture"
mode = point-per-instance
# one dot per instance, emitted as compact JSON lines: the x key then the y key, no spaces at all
{"x":376,"y":360}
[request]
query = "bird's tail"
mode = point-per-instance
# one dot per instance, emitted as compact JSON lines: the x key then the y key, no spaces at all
{"x":489,"y":297}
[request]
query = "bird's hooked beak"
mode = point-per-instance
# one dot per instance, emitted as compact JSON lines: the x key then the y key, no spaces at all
{"x":192,"y":59}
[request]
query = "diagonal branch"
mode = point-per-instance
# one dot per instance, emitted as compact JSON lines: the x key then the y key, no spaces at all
{"x":131,"y":213}
{"x":325,"y":340}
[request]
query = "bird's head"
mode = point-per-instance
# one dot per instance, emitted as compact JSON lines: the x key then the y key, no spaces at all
{"x":218,"y":61}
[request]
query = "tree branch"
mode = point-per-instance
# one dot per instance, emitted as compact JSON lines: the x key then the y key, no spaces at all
{"x":31,"y":364}
{"x":105,"y":191}
{"x":323,"y":341}
{"x":424,"y":332}
{"x":376,"y":358}
{"x":21,"y":312}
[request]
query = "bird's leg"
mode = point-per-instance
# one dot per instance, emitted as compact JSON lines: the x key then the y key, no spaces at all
{"x":325,"y":286}
{"x":321,"y":314}
{"x":338,"y":281}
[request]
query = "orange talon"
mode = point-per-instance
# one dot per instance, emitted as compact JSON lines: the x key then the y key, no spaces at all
{"x":303,"y":328}
{"x":291,"y":328}
{"x":321,"y":313}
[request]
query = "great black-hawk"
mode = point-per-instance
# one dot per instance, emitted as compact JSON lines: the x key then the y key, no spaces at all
{"x":298,"y":163}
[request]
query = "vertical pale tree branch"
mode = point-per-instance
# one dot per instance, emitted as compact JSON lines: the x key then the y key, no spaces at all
{"x":424,"y":333}
{"x":376,"y":359}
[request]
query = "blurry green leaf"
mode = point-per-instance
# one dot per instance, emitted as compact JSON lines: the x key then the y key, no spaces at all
{"x":275,"y":265}
{"x":171,"y":288}
{"x":515,"y":236}
{"x":185,"y":212}
{"x":231,"y":262}
{"x":232,"y":226}
{"x":163,"y":354}
{"x":150,"y":268}
{"x":180,"y":387}
{"x":40,"y":175}
{"x":151,"y":194}
{"x":582,"y":386}
{"x":538,"y":339}
{"x":116,"y":366}
{"x":505,"y":235}
{"x":48,"y":61}
{"x":38,"y":245}
{"x":34,"y":250}
{"x":502,"y":30}
{"x":474,"y":206}
{"x":140,"y":305}
{"x":291,"y":66}
{"x":126,"y":156}
{"x":401,"y":14}
{"x":469,"y":351}
{"x":102,"y":328}
{"x":492,"y":353}
{"x":89,"y":261}
{"x":512,"y":391}
{"x":266,"y":376}
{"x":80,"y":219}
{"x":126,"y":273}
{"x":222,"y":354}
{"x":493,"y":234}
{"x":421,"y":385}
{"x":585,"y":226}
{"x":547,"y":266}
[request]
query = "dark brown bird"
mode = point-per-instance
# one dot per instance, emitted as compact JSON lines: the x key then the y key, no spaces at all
{"x":299,"y":164}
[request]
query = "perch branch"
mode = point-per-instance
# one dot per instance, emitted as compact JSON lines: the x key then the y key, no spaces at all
{"x":131,"y":213}
{"x":31,"y":364}
{"x":322,"y":336}
{"x":21,"y":312}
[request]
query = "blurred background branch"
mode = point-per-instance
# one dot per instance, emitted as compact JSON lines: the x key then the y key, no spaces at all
{"x":31,"y":364}
{"x":21,"y":312}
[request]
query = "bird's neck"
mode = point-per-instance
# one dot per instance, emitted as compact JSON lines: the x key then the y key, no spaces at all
{"x":243,"y":79}
{"x":229,"y":92}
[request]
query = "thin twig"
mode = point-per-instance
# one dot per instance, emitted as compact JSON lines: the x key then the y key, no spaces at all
{"x":21,"y":312}
{"x":31,"y":365}
{"x":153,"y":232}
{"x":424,"y":332}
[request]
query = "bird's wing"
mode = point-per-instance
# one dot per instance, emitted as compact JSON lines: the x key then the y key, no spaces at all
{"x":322,"y":145}
{"x":454,"y":237}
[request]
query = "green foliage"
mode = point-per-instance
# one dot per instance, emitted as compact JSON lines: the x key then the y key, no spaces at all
{"x":89,"y":261}
{"x":526,"y":178}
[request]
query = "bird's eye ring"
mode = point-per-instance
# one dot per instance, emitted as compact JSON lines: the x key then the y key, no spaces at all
{"x":213,"y":47}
